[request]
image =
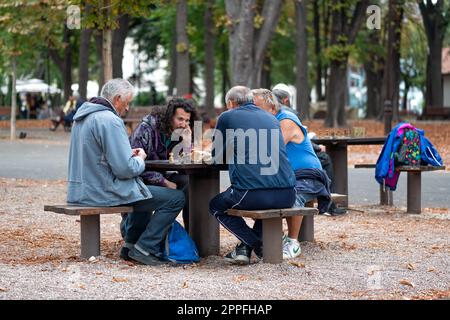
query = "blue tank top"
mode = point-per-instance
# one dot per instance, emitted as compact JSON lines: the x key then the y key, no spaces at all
{"x":300,"y":155}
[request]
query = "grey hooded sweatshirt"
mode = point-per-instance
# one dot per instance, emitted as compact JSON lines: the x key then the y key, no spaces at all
{"x":102,"y":170}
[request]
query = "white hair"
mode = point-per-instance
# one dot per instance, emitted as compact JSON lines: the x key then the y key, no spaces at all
{"x":239,"y":94}
{"x":117,"y":87}
{"x":268,"y":97}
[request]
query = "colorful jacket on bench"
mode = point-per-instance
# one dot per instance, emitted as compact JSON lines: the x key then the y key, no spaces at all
{"x":385,"y":172}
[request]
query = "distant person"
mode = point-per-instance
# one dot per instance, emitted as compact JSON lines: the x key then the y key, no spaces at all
{"x":67,"y":113}
{"x":105,"y":171}
{"x":154,"y":135}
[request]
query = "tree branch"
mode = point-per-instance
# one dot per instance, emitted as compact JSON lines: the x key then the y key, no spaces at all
{"x":357,"y":20}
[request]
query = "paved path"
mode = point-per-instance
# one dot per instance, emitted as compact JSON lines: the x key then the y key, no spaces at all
{"x":29,"y":159}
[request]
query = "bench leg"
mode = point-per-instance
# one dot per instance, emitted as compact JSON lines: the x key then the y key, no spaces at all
{"x":414,"y":192}
{"x":272,"y":236}
{"x":386,"y":197}
{"x":90,"y":236}
{"x":307,"y":228}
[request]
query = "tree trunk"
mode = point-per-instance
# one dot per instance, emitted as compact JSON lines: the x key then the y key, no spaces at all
{"x":209,"y":58}
{"x":248,"y":49}
{"x":182,"y":47}
{"x":173,"y":66}
{"x":392,"y":74}
{"x":83,"y":63}
{"x":99,"y":47}
{"x":435,"y":26}
{"x":374,"y":78}
{"x":336,"y":94}
{"x":64,"y":64}
{"x":270,"y":13}
{"x":326,"y":37}
{"x":317,"y":50}
{"x":241,"y":13}
{"x":224,"y":69}
{"x":107,"y":45}
{"x":301,"y":83}
{"x":265,"y":73}
{"x":13,"y":99}
{"x":118,"y":42}
{"x":343,"y":34}
{"x":405,"y":97}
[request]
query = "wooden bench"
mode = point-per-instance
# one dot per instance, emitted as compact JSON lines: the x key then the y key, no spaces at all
{"x":273,"y":227}
{"x":436,"y":113}
{"x":5,"y":113}
{"x":89,"y":222}
{"x":134,"y":117}
{"x":414,"y":184}
{"x":307,"y":228}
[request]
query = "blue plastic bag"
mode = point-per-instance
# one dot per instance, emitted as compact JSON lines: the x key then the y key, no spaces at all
{"x":179,"y":247}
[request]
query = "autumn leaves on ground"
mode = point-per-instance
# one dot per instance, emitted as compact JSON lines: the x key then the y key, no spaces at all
{"x":372,"y":252}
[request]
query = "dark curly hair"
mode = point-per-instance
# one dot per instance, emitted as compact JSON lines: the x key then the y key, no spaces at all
{"x":166,"y":113}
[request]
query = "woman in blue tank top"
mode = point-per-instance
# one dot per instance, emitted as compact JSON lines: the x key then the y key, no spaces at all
{"x":301,"y":155}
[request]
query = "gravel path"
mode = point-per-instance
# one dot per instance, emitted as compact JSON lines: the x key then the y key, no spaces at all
{"x":371,"y":253}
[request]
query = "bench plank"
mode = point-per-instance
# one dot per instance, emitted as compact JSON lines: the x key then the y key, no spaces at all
{"x":89,"y":224}
{"x":403,"y":168}
{"x":273,"y":213}
{"x":421,"y":168}
{"x":85,"y":211}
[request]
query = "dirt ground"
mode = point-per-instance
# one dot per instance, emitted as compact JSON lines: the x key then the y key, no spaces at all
{"x":372,"y":252}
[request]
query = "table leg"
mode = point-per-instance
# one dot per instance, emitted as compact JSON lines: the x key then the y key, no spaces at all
{"x":203,"y":227}
{"x":386,"y":197}
{"x":414,"y":192}
{"x":338,"y":154}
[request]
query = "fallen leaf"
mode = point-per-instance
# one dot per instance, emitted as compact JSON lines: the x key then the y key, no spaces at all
{"x":432,"y":269}
{"x":82,"y":286}
{"x":185,"y":285}
{"x":240,"y":278}
{"x":3,"y":290}
{"x":99,"y":273}
{"x":297,"y":264}
{"x":410,"y":266}
{"x":407,"y":283}
{"x":115,"y":279}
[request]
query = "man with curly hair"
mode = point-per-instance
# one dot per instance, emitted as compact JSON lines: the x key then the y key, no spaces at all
{"x":154,"y":135}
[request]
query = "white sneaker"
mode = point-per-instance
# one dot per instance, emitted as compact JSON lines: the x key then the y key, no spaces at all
{"x":291,"y":248}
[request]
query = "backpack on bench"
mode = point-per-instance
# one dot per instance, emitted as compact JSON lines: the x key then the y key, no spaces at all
{"x":408,"y":153}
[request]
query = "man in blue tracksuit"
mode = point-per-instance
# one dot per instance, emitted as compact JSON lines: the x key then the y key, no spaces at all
{"x":249,"y":140}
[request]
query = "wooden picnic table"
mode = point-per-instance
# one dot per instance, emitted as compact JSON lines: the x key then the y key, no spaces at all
{"x":204,"y":184}
{"x":336,"y":147}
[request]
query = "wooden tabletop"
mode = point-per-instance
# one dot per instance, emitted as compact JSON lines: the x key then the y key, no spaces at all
{"x":165,"y":165}
{"x":349,"y":140}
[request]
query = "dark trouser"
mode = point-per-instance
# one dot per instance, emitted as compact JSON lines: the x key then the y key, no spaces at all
{"x":252,"y":200}
{"x":327,"y":166}
{"x":182,"y":182}
{"x":147,"y":225}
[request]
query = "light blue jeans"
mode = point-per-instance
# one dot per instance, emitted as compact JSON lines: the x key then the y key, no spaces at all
{"x":146,"y":227}
{"x":301,"y":199}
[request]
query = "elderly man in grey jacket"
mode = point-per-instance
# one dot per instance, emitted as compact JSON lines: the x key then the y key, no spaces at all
{"x":104,"y":171}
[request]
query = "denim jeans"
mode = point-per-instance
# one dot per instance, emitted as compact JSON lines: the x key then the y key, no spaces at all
{"x":302,"y":198}
{"x":147,"y":225}
{"x":182,"y":182}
